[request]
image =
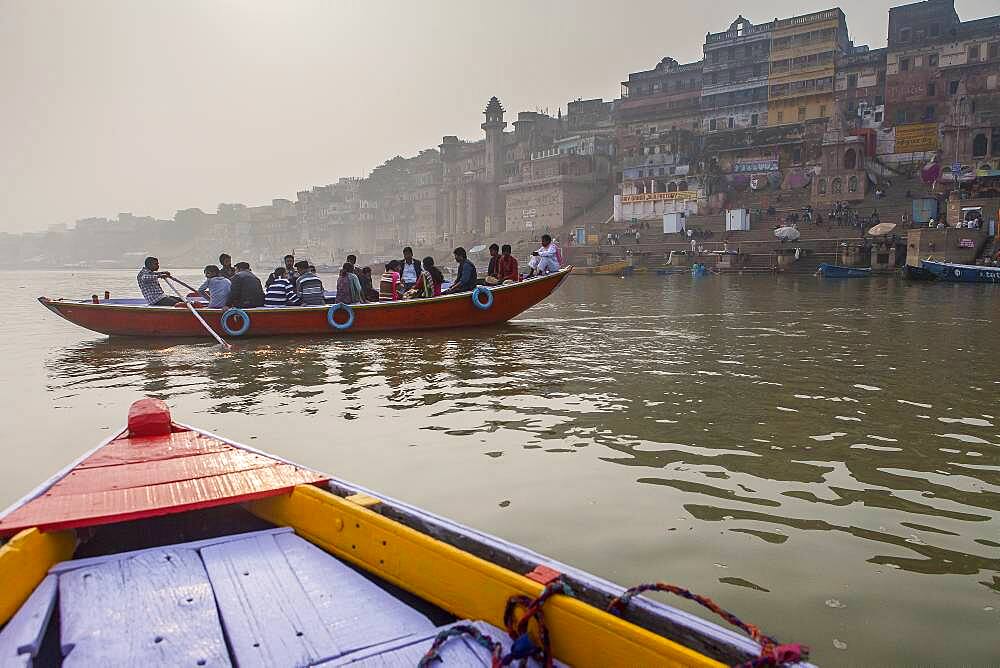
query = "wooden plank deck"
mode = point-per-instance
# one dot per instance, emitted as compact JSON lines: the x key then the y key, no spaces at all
{"x":153,"y":609}
{"x":22,"y":636}
{"x":145,"y":476}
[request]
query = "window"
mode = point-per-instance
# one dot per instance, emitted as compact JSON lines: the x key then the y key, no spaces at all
{"x":748,"y":50}
{"x":821,"y":188}
{"x":904,"y":64}
{"x":979,"y":146}
{"x":781,"y":116}
{"x":711,"y":124}
{"x":995,"y":142}
{"x":904,"y":35}
{"x":852,"y":80}
{"x":929,"y":113}
{"x":802,"y":113}
{"x":732,"y":122}
{"x":756,"y":68}
{"x":932,"y":60}
{"x":796,"y":155}
{"x":822,"y":111}
{"x":715,"y":56}
{"x":850,"y":159}
{"x":994,"y":50}
{"x":973,"y":53}
{"x":714,"y":78}
{"x":753,"y":120}
{"x":732,"y":53}
{"x":837,"y":186}
{"x":931,"y":89}
{"x":878,"y":117}
{"x":952,"y":88}
{"x":900,"y":115}
{"x":852,"y":184}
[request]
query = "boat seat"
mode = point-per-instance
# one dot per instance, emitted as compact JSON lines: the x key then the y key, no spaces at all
{"x":458,"y":651}
{"x":21,"y":638}
{"x":285,"y":602}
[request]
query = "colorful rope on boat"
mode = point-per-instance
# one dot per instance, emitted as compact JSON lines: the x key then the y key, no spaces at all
{"x":771,"y":653}
{"x":517,"y":629}
{"x":433,"y":654}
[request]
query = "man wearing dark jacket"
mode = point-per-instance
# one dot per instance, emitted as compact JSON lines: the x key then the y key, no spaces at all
{"x":245,"y":290}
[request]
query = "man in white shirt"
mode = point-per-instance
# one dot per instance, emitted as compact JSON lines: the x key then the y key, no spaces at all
{"x":411,"y":269}
{"x":546,"y":259}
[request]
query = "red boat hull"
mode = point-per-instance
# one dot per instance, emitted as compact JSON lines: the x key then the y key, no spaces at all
{"x":449,"y":311}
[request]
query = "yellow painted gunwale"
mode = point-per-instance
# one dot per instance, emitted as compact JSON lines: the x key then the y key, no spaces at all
{"x":463,"y":584}
{"x":24,"y":561}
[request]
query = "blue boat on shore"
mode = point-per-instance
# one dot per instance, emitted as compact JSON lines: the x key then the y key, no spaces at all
{"x":961,"y":273}
{"x":836,"y":271}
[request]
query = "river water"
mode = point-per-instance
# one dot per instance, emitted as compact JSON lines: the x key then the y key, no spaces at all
{"x":820,"y":457}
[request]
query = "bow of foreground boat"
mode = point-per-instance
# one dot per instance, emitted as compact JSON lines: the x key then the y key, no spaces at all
{"x":485,"y":306}
{"x":168,"y":545}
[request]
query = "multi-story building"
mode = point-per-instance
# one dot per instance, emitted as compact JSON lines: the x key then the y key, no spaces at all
{"x":735,"y":77}
{"x":804,"y":50}
{"x":859,"y":87}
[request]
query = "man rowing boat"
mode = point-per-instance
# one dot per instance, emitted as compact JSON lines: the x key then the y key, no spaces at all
{"x":148,"y":279}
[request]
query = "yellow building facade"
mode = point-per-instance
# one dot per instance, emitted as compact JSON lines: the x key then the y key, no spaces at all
{"x":804,"y":51}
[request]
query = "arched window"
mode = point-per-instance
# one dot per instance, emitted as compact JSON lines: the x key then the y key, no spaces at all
{"x":837,"y":186}
{"x":822,"y":187}
{"x":852,"y":184}
{"x":683,"y":185}
{"x":979,"y":146}
{"x":672,"y":187}
{"x":850,"y":159}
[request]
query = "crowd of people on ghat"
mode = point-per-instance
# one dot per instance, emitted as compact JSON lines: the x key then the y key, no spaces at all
{"x":296,"y":283}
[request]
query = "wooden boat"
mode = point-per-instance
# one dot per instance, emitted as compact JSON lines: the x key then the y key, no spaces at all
{"x":169,"y":545}
{"x":486,"y":306}
{"x":607,"y":269}
{"x":961,"y":273}
{"x":837,"y":271}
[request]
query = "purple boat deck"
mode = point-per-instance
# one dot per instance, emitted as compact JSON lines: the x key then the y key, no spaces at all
{"x":267,"y":598}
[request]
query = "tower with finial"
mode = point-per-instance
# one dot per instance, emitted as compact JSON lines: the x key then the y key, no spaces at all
{"x":494,"y":127}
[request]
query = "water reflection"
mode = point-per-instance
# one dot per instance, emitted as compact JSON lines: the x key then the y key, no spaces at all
{"x":773,"y":409}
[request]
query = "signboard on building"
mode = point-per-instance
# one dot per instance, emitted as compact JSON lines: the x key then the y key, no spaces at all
{"x":916,"y":137}
{"x":660,"y":197}
{"x":966,"y":243}
{"x":745,"y":165}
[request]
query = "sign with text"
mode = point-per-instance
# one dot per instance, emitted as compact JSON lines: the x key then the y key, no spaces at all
{"x":916,"y":137}
{"x":660,"y":197}
{"x":745,"y":165}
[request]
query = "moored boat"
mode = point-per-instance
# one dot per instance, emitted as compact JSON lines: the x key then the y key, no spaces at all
{"x":961,"y":273}
{"x":484,"y":306}
{"x":169,"y":545}
{"x":837,"y":271}
{"x":607,"y":269}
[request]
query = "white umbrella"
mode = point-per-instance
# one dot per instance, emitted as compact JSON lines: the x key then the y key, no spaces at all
{"x":478,"y":249}
{"x":787,"y":233}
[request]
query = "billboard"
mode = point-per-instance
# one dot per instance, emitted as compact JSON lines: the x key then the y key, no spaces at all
{"x":916,"y":137}
{"x":658,"y":197}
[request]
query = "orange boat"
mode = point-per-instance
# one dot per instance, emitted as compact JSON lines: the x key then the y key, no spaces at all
{"x":484,"y":306}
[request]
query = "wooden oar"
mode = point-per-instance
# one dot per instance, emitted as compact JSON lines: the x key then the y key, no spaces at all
{"x":195,"y":312}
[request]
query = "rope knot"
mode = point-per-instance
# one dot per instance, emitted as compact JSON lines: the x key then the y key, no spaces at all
{"x":790,"y":653}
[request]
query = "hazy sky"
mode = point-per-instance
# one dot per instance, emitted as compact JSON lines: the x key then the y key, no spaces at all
{"x":150,"y":107}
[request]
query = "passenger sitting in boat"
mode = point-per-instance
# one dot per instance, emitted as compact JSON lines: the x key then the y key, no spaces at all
{"x":507,"y":270}
{"x":367,"y":289}
{"x":245,"y":290}
{"x":493,"y":270}
{"x":290,"y":272}
{"x":215,"y":288}
{"x":280,"y":291}
{"x":388,"y":285}
{"x":409,"y":269}
{"x":227,"y":268}
{"x":428,"y":282}
{"x":348,"y":286}
{"x":149,"y":283}
{"x":546,"y":259}
{"x":309,"y":286}
{"x":465,"y":276}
